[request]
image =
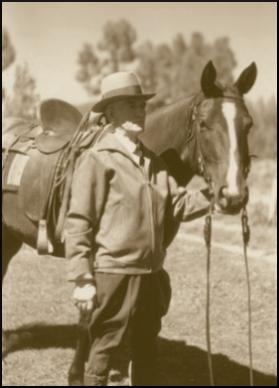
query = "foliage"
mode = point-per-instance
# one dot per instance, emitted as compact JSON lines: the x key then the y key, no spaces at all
{"x":172,"y":69}
{"x":8,"y":51}
{"x":8,"y":54}
{"x":113,"y":52}
{"x":263,"y":137}
{"x":24,"y":101}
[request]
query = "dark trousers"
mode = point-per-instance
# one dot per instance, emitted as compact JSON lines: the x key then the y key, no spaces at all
{"x":134,"y":302}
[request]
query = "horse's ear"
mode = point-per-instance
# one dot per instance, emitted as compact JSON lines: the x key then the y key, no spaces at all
{"x":208,"y":78}
{"x":246,"y":79}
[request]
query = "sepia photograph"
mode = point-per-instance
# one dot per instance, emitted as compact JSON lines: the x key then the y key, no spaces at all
{"x":139,"y":193}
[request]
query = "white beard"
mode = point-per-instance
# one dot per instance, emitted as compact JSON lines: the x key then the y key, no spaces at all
{"x":132,"y":127}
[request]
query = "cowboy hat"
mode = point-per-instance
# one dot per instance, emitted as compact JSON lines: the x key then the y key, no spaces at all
{"x":119,"y":85}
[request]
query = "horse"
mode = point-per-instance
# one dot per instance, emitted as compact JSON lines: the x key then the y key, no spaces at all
{"x":205,"y":134}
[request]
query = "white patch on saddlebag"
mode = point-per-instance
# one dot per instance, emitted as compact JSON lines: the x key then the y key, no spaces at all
{"x":16,"y":169}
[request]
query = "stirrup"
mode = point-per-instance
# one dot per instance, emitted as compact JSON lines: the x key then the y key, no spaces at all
{"x":44,"y":245}
{"x":130,"y":373}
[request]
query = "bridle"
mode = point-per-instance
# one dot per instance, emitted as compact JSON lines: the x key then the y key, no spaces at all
{"x":203,"y":171}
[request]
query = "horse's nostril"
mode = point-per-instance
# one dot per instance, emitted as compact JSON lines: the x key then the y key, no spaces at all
{"x":224,"y":202}
{"x":223,"y":192}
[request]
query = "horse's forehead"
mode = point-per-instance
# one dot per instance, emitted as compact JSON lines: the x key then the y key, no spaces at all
{"x":220,"y":108}
{"x":211,"y":107}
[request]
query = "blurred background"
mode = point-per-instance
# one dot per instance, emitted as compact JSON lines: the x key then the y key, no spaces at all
{"x":63,"y":50}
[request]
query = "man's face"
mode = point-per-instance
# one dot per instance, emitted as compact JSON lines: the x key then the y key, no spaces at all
{"x":128,"y":113}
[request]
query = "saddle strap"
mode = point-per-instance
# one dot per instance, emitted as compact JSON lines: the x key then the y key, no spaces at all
{"x":66,"y":197}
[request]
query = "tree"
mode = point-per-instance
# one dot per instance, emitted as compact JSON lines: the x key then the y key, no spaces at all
{"x":224,"y":60}
{"x":179,"y":47}
{"x":146,"y":66}
{"x":118,"y":39}
{"x":8,"y":51}
{"x":24,"y":101}
{"x":114,"y":52}
{"x":263,"y":137}
{"x":172,"y":70}
{"x":164,"y":68}
{"x":155,"y":70}
{"x":191,"y":66}
{"x":8,"y":54}
{"x":90,"y":67}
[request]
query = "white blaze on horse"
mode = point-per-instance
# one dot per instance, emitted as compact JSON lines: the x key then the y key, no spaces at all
{"x":206,"y":135}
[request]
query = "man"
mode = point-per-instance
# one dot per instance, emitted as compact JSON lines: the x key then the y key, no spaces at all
{"x":123,"y":201}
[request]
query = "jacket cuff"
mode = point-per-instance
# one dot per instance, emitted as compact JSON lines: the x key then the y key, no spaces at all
{"x":78,"y":270}
{"x":78,"y":248}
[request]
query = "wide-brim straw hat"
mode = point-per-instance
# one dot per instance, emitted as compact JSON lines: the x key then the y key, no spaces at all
{"x":118,"y":86}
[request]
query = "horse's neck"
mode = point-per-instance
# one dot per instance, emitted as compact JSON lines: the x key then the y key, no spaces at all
{"x":189,"y":156}
{"x":167,"y":132}
{"x":168,"y":127}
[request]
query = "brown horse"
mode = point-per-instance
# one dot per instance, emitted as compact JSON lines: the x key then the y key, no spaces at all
{"x":206,"y":135}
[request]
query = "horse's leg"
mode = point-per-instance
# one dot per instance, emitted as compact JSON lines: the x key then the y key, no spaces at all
{"x":76,"y":372}
{"x":10,"y":246}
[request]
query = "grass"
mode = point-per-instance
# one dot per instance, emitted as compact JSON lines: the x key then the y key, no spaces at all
{"x":37,"y":308}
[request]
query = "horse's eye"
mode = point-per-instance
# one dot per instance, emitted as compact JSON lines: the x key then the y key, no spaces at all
{"x":203,"y":125}
{"x":247,"y":123}
{"x":248,"y":126}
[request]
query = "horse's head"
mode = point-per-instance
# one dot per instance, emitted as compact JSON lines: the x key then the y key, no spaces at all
{"x":207,"y":135}
{"x":221,"y":124}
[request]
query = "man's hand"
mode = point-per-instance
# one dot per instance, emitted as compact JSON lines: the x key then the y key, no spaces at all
{"x":84,"y":296}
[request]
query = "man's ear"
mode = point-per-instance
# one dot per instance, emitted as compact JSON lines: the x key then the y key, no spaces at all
{"x":108,"y":113}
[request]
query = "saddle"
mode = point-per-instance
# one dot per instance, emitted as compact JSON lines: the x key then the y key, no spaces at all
{"x":59,"y":120}
{"x":38,"y":161}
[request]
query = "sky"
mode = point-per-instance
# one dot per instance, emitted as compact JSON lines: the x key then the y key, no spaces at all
{"x":48,"y":35}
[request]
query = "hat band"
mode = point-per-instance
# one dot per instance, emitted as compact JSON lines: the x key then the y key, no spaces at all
{"x":134,"y":90}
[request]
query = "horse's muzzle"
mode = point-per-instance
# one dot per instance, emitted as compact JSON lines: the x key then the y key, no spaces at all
{"x":232,"y":203}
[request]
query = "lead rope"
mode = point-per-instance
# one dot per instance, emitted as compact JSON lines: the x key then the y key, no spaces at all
{"x":207,"y":238}
{"x":246,"y":238}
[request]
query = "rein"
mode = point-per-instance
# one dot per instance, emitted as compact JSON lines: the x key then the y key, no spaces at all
{"x":208,"y":237}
